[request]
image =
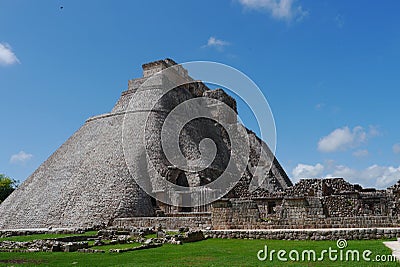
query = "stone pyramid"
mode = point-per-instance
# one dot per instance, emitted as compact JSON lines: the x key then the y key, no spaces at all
{"x":87,"y":181}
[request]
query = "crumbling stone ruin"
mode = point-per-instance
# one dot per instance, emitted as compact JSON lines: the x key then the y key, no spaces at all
{"x":140,"y":238}
{"x":311,"y":203}
{"x":87,"y":183}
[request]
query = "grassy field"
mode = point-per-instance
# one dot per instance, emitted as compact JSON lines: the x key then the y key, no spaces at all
{"x":211,"y":252}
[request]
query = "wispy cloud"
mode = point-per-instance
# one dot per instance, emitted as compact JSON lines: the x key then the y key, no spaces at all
{"x":374,"y":175}
{"x":278,"y":9}
{"x":7,"y":56}
{"x":345,"y":138}
{"x":20,"y":157}
{"x":320,"y":106}
{"x":217,"y":43}
{"x":308,"y":171}
{"x":341,"y":139}
{"x":361,"y":153}
{"x":339,"y":20}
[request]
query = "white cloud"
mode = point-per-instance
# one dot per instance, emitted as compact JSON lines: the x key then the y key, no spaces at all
{"x":361,"y":153}
{"x":345,"y":138}
{"x":373,"y":131}
{"x":396,"y":148}
{"x":308,"y":171}
{"x":372,"y":176}
{"x":278,"y":9}
{"x":342,"y":139}
{"x":217,"y":43}
{"x":342,"y":172}
{"x":7,"y":56}
{"x":375,"y":175}
{"x":21,"y":157}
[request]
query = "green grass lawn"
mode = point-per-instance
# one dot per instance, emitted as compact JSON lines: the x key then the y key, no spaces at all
{"x":211,"y":252}
{"x":107,"y":247}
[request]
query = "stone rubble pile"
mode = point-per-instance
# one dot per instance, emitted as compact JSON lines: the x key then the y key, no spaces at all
{"x":105,"y":237}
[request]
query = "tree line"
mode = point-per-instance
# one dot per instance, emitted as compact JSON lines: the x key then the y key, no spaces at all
{"x":7,"y":186}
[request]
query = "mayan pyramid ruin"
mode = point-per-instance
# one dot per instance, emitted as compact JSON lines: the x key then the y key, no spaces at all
{"x":87,"y":182}
{"x":119,"y":170}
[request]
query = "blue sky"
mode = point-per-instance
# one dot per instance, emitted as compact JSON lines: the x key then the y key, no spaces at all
{"x":329,"y":70}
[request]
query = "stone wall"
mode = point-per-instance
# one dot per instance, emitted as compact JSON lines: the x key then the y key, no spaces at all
{"x":244,"y":214}
{"x":311,"y":234}
{"x":241,"y":214}
{"x":170,"y":223}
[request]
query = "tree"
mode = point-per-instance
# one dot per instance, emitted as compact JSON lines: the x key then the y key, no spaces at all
{"x":7,"y":186}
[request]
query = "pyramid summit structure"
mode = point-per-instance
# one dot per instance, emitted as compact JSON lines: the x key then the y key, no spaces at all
{"x":88,"y":180}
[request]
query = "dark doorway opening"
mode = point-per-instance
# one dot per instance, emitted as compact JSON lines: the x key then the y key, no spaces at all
{"x":183,"y":181}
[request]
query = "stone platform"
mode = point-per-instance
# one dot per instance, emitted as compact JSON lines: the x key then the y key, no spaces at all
{"x":308,"y":234}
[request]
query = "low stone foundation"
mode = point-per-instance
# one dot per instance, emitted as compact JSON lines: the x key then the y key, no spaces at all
{"x":170,"y":223}
{"x":268,"y":234}
{"x":36,"y":231}
{"x":305,"y":223}
{"x":307,"y":234}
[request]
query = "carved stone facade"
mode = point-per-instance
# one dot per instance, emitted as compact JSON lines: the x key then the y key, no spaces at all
{"x":312,"y":203}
